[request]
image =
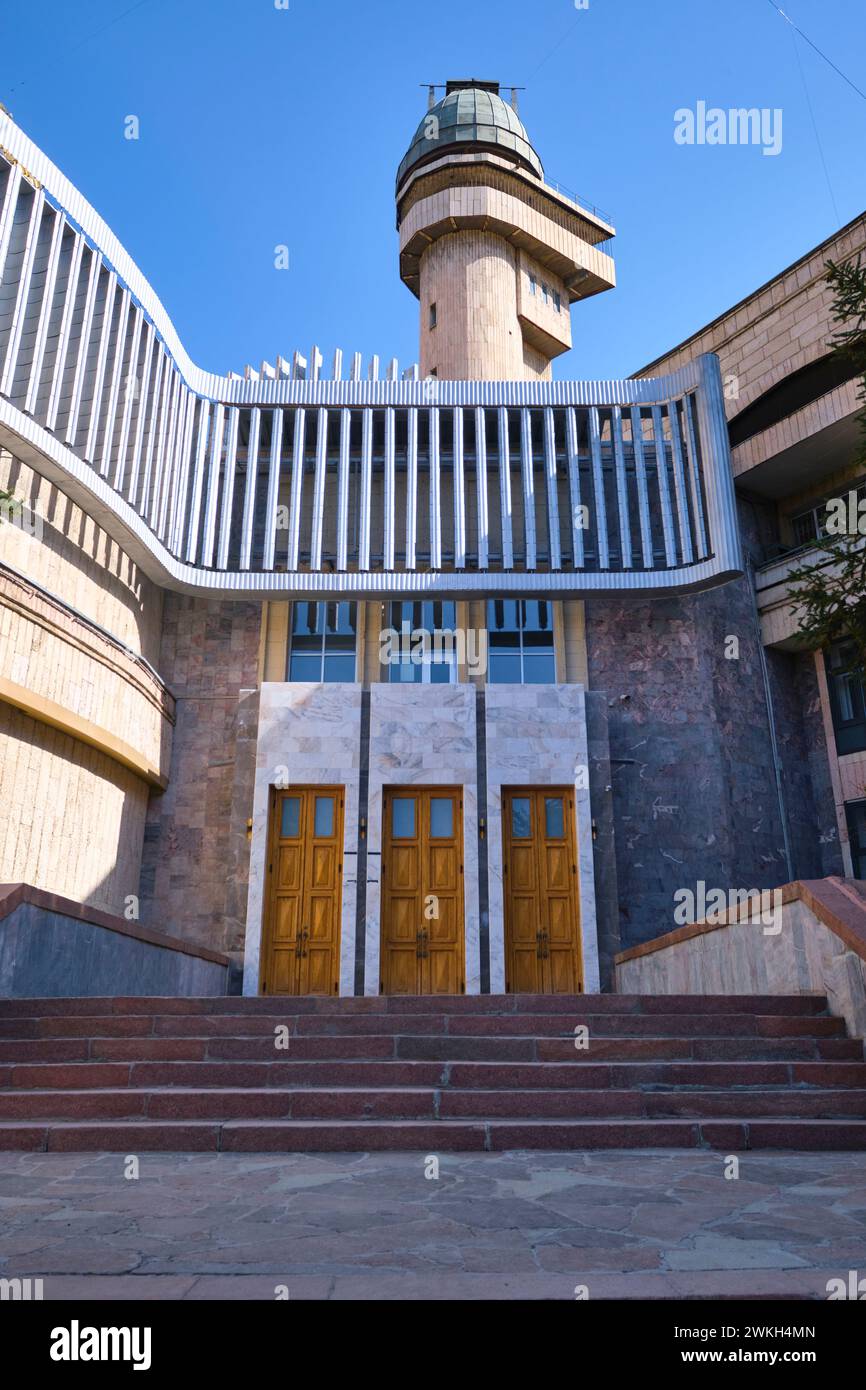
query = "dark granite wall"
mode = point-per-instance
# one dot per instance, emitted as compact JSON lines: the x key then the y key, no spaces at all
{"x":694,"y":787}
{"x":196,"y":853}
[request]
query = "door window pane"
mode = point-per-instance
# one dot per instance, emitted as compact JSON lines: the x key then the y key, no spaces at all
{"x":442,"y":817}
{"x":403,"y":817}
{"x":520,"y":818}
{"x":290,"y":817}
{"x":554,"y":818}
{"x":324,"y":817}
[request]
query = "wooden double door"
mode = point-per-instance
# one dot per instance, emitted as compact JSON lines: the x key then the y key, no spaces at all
{"x":542,"y":915}
{"x":301,"y":939}
{"x":422,"y":941}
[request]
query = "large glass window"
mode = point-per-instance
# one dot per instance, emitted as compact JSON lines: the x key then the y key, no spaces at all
{"x":422,"y":648}
{"x":521,"y":650}
{"x":847,"y":697}
{"x":324,"y":636}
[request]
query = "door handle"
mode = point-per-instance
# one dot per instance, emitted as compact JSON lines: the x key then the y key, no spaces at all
{"x":302,"y":942}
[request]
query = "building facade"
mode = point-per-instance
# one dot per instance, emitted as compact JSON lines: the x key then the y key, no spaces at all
{"x":435,"y":682}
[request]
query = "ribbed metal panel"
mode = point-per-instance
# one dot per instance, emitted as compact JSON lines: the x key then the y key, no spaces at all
{"x":93,"y":277}
{"x":366,"y":499}
{"x":45,"y":310}
{"x":130,"y":391}
{"x":435,"y":492}
{"x":505,"y":489}
{"x":390,"y":498}
{"x":572,"y":445}
{"x":198,"y":481}
{"x":695,"y":477}
{"x":481,"y":488}
{"x":411,"y":487}
{"x":319,"y":490}
{"x":598,"y":490}
{"x":213,"y":485}
{"x":343,"y":490}
{"x":297,"y":491}
{"x":13,"y":344}
{"x":115,"y":379}
{"x":101,"y":362}
{"x":153,"y":430}
{"x":228,"y":490}
{"x":146,"y":390}
{"x":58,"y":379}
{"x":459,"y":493}
{"x":248,"y":518}
{"x":664,"y":485}
{"x":552,"y":497}
{"x":272,"y":502}
{"x":181,"y":497}
{"x":646,"y":538}
{"x":7,"y":217}
{"x":683,"y":526}
{"x":172,"y":447}
{"x":527,"y":476}
{"x":621,"y":489}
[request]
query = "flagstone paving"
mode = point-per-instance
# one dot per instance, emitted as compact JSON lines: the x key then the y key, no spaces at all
{"x":642,"y":1224}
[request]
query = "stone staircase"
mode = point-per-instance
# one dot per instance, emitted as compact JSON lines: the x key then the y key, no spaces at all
{"x":431,"y":1074}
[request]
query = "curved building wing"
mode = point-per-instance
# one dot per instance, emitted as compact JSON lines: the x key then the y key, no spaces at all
{"x":285,"y":483}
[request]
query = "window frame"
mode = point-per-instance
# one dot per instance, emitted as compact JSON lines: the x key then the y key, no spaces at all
{"x":850,"y":734}
{"x":427,"y":665}
{"x":521,"y":648}
{"x":322,"y":649}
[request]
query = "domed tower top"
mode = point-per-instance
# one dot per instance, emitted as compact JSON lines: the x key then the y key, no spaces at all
{"x":472,"y":114}
{"x":495,"y":253}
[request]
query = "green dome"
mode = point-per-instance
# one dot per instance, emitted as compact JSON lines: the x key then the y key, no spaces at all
{"x":471,"y":116}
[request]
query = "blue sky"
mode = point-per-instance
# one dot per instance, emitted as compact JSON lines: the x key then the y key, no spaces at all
{"x":262,"y":126}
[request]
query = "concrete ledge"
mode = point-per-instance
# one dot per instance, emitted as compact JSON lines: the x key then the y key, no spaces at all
{"x":51,"y":946}
{"x":814,"y":943}
{"x":837,"y":902}
{"x":49,"y":712}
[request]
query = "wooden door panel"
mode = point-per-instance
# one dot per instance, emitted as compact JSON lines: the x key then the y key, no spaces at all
{"x":440,"y":973}
{"x":422,"y":948}
{"x":290,"y":868}
{"x":542,"y":923}
{"x":401,"y":970}
{"x":301,"y":937}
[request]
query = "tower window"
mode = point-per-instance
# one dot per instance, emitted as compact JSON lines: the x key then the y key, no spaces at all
{"x":433,"y":316}
{"x":533,"y":284}
{"x":557,"y":301}
{"x":521,"y":650}
{"x":323,"y":643}
{"x":545,"y":292}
